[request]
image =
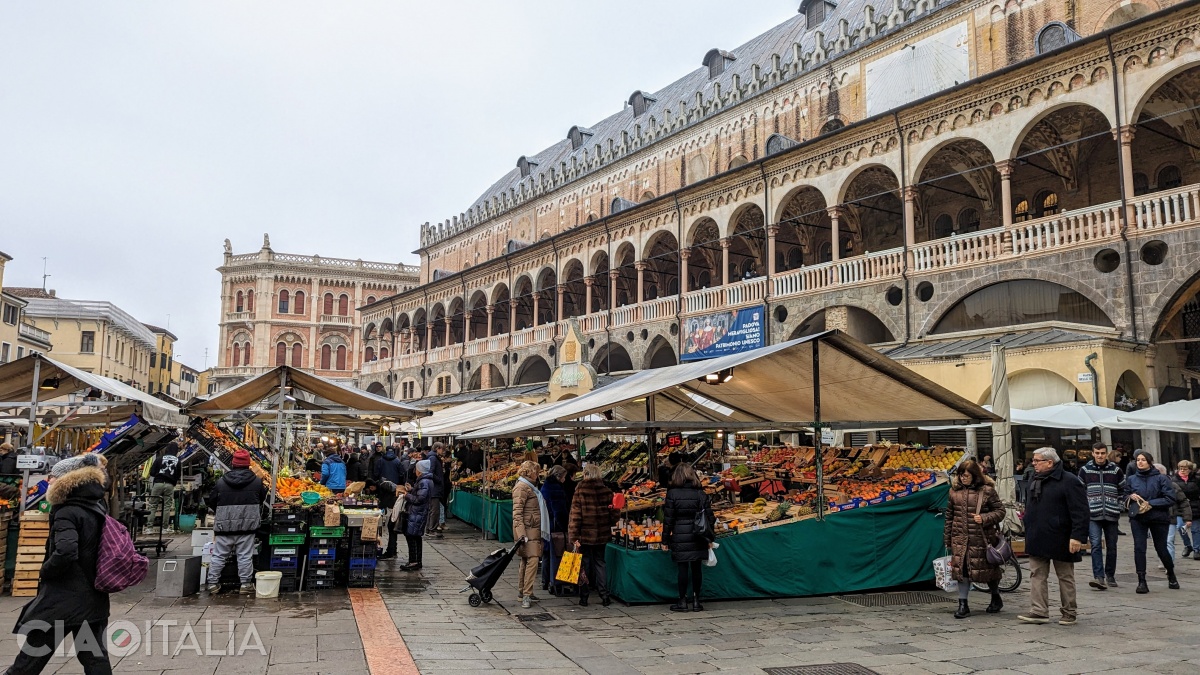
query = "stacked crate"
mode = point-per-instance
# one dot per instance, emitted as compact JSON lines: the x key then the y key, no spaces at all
{"x":326,"y":559}
{"x":287,"y":545}
{"x":5,"y":522}
{"x":362,"y":560}
{"x":31,"y":553}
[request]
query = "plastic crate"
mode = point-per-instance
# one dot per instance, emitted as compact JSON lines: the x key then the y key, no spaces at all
{"x":286,"y":539}
{"x":362,"y":564}
{"x":289,"y":584}
{"x":322,"y":552}
{"x":289,"y":527}
{"x":319,"y":584}
{"x":286,"y":550}
{"x":364,"y":549}
{"x":327,"y":532}
{"x":283,"y":562}
{"x":285,"y":513}
{"x":325,"y":542}
{"x":361,"y":578}
{"x":321,"y":562}
{"x":320,"y":573}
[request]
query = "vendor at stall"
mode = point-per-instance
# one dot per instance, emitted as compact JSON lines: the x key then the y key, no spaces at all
{"x":237,"y":503}
{"x":164,"y":474}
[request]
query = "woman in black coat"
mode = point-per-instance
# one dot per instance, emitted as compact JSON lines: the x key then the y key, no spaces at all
{"x":66,"y":592}
{"x":689,"y":548}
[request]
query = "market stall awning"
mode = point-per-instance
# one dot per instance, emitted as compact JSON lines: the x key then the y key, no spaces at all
{"x":341,"y":399}
{"x":458,"y":419}
{"x":1180,"y":417}
{"x":859,"y":388}
{"x":1074,"y":415}
{"x":57,"y":380}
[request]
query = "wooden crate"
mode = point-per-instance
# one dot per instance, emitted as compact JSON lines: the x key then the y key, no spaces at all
{"x":24,"y":592}
{"x":26,"y":575}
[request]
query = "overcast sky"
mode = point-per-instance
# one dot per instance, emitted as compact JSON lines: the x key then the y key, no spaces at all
{"x":136,"y":136}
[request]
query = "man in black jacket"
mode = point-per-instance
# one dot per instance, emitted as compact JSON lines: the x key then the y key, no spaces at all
{"x":164,"y":474}
{"x":436,"y":467}
{"x":8,"y":459}
{"x":1056,"y":527}
{"x":236,"y":501}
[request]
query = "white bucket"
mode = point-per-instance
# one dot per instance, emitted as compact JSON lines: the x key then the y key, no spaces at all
{"x":267,"y":584}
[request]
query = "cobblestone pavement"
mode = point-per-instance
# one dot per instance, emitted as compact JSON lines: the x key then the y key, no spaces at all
{"x":309,"y":633}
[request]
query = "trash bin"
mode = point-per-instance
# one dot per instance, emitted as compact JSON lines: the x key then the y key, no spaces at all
{"x":178,"y":577}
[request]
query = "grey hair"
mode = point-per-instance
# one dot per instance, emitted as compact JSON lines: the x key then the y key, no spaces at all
{"x":1047,"y":453}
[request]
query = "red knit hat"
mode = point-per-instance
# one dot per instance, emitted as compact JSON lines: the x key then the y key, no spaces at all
{"x":241,"y":459}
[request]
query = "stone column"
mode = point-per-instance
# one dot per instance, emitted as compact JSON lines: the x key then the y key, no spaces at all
{"x":772,"y":231}
{"x":536,"y":298}
{"x":428,"y":334}
{"x":560,"y":291}
{"x":491,"y":313}
{"x":641,"y":277}
{"x":448,"y":333}
{"x":587,"y":292}
{"x":1005,"y":169}
{"x":512,"y":316}
{"x":1124,"y":136}
{"x":725,"y":242}
{"x":910,"y":223}
{"x":683,"y":271}
{"x":468,"y":314}
{"x":835,"y":236}
{"x":613,"y":275}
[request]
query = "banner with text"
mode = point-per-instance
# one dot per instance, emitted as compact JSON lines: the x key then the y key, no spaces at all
{"x":731,"y":332}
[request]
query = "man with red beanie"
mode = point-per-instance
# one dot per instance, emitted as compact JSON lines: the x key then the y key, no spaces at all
{"x":236,"y":501}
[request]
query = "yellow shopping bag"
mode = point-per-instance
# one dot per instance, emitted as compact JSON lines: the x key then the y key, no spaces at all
{"x":568,"y":568}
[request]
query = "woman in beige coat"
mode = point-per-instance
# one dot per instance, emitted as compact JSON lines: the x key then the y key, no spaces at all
{"x":530,"y":520}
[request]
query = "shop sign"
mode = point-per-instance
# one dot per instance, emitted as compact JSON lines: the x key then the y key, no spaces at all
{"x":1084,"y":377}
{"x":711,"y":335}
{"x":31,"y":462}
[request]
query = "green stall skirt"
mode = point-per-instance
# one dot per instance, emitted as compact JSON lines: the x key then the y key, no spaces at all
{"x":493,"y":516}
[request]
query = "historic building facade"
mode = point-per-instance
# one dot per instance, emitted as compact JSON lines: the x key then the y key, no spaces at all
{"x":297,"y":310}
{"x":925,"y":176}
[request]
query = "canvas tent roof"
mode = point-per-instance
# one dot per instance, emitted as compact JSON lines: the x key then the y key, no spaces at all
{"x":16,"y":384}
{"x":771,"y":385}
{"x":1179,"y":416}
{"x":458,"y":419}
{"x":1073,"y":415}
{"x":343,"y":399}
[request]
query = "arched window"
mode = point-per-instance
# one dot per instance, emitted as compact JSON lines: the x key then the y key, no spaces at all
{"x":943,"y":227}
{"x":249,"y":301}
{"x":326,"y":353}
{"x":297,"y":355}
{"x":298,"y":302}
{"x":1141,"y":184}
{"x":795,"y":258}
{"x":1023,"y":301}
{"x":968,"y":221}
{"x":369,"y":355}
{"x":283,"y":302}
{"x":1169,"y":177}
{"x":240,"y":305}
{"x":327,"y":308}
{"x":246,"y":355}
{"x":1021,"y":211}
{"x":281,"y":354}
{"x":341,"y":357}
{"x":237,"y":355}
{"x":1048,"y":202}
{"x":370,"y":299}
{"x":384,"y":353}
{"x":343,"y":305}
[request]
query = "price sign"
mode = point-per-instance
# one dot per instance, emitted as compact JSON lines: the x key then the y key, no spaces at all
{"x":674,"y":440}
{"x":31,"y":462}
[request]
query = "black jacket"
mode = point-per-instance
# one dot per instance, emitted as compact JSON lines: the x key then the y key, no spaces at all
{"x":1056,"y":511}
{"x":236,"y":501}
{"x":1190,"y":487}
{"x":66,"y":591}
{"x":8,"y":463}
{"x":1156,"y":489}
{"x":679,"y":521}
{"x":166,"y":468}
{"x":439,"y":475}
{"x":355,"y":471}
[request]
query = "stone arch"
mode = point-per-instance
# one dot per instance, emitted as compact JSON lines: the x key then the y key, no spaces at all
{"x":747,"y":242}
{"x":872,"y":212}
{"x":804,"y":228}
{"x":1130,"y":387}
{"x":660,"y":354}
{"x":1148,"y":87}
{"x":1123,"y":12}
{"x":661,"y":257}
{"x":1171,"y":300}
{"x":861,"y":323}
{"x":486,"y":376}
{"x":960,"y":175}
{"x":704,"y":255}
{"x":377,"y":389}
{"x":1069,"y":100}
{"x":612,"y":358}
{"x":847,"y":181}
{"x":369,"y":331}
{"x":939,"y":312}
{"x":598,"y":263}
{"x":533,"y":370}
{"x":574,"y":289}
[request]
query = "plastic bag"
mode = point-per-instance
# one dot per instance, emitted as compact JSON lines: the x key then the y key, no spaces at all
{"x":712,"y":558}
{"x":943,"y":574}
{"x":568,"y":568}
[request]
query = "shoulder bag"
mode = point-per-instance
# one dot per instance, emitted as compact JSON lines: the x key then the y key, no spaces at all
{"x":1000,"y":551}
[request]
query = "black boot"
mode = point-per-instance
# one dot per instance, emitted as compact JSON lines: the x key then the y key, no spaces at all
{"x":997,"y":603}
{"x":1172,"y":582}
{"x":584,"y":591}
{"x":964,"y":610}
{"x":1142,"y":587}
{"x":681,"y":606}
{"x":696,"y":606}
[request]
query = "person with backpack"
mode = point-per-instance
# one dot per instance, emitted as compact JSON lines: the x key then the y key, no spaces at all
{"x":67,"y":602}
{"x":236,"y":501}
{"x":164,"y":476}
{"x":686,"y":501}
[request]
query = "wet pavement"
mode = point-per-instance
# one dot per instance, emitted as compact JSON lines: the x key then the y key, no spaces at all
{"x":314,"y":633}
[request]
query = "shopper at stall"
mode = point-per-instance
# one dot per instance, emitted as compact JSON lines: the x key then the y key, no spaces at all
{"x":67,"y":604}
{"x":689,"y":547}
{"x":354,"y":469}
{"x":8,"y":459}
{"x":333,"y":473}
{"x":667,"y":471}
{"x":1151,"y":496}
{"x":531,"y":517}
{"x":1102,"y":478}
{"x":416,"y":505}
{"x":164,"y":476}
{"x":236,"y":501}
{"x":554,"y":541}
{"x":589,"y":529}
{"x":1189,"y":482}
{"x":391,"y":472}
{"x":973,"y":518}
{"x":312,"y":464}
{"x":1181,"y":514}
{"x":1056,"y":525}
{"x":438,"y":470}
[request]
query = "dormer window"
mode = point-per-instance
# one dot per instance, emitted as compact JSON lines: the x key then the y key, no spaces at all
{"x":578,"y":136}
{"x":716,"y":60}
{"x":814,"y":12}
{"x":526,"y":166}
{"x":640,"y":103}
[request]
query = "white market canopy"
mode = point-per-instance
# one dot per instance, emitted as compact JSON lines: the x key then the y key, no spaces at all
{"x":56,"y":380}
{"x":336,"y":398}
{"x":1074,"y":415}
{"x":1178,"y":416}
{"x":772,"y":387}
{"x":461,"y":418}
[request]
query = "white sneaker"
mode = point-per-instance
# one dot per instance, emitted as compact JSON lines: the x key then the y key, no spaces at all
{"x":526,"y":602}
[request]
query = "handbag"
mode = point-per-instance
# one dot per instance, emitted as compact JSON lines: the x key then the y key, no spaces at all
{"x":568,"y":568}
{"x":1000,"y":551}
{"x":702,"y":526}
{"x":1137,"y":508}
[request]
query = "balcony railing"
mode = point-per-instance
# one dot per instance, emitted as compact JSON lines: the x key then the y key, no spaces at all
{"x":337,"y":319}
{"x":33,"y":333}
{"x":1167,"y":208}
{"x":410,"y":360}
{"x":378,"y":366}
{"x":239,"y":316}
{"x":626,"y":316}
{"x":594,"y":323}
{"x":660,"y":308}
{"x":523,"y":337}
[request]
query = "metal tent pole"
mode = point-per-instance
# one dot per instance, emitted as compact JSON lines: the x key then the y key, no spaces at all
{"x":33,"y":401}
{"x":820,"y":454}
{"x":278,"y":436}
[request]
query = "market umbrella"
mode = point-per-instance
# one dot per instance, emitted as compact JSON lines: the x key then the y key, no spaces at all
{"x":1002,"y":439}
{"x":1074,"y":415}
{"x":1178,"y":416}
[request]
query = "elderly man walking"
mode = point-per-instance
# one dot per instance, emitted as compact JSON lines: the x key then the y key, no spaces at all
{"x":1057,"y":520}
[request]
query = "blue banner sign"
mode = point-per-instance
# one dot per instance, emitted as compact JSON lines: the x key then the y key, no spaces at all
{"x":723,"y":333}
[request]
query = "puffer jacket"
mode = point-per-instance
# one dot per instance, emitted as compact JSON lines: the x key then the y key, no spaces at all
{"x":1103,"y":485}
{"x":967,"y":540}
{"x":527,"y":519}
{"x":1182,"y":508}
{"x":417,"y":503}
{"x":1155,"y":488}
{"x":556,"y":503}
{"x":592,"y":515}
{"x":679,"y":524}
{"x":333,"y":473}
{"x":1191,"y":490}
{"x":236,"y":501}
{"x":66,"y":589}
